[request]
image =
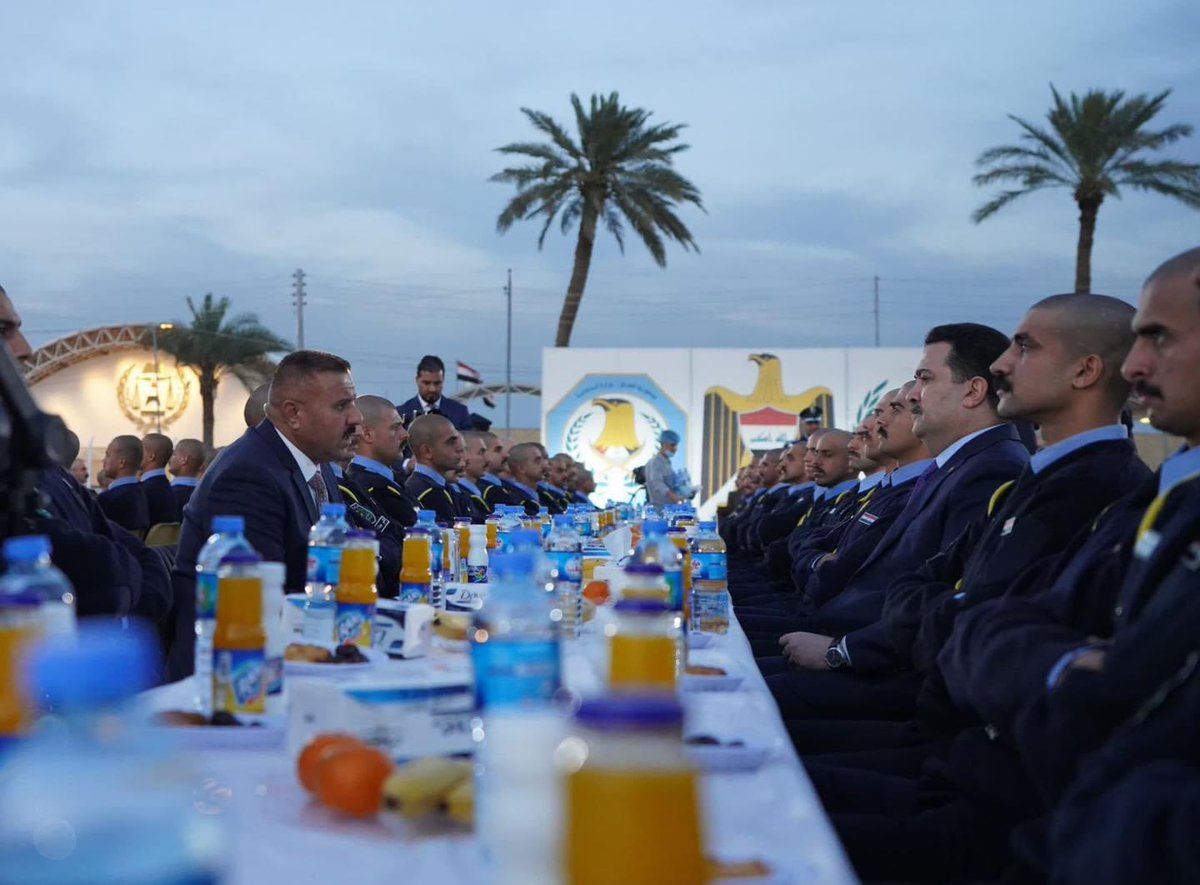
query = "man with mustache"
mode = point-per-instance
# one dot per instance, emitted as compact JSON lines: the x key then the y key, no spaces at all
{"x":277,"y":476}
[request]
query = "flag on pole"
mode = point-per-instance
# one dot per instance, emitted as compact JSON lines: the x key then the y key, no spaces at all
{"x":467,"y":375}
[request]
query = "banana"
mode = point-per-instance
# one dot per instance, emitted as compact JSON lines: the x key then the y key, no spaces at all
{"x":420,"y":787}
{"x":452,"y":625}
{"x":460,"y":802}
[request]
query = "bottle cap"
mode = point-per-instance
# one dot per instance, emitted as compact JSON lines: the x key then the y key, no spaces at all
{"x":102,"y":664}
{"x":241,"y":557}
{"x":650,"y":569}
{"x":334,"y":510}
{"x":641,"y":606}
{"x":708,"y":525}
{"x":630,"y":712}
{"x":654,"y":527}
{"x":361,"y":535}
{"x":26,"y":548}
{"x":518,"y":564}
{"x":228,"y":525}
{"x":563,"y":520}
{"x":426,"y":516}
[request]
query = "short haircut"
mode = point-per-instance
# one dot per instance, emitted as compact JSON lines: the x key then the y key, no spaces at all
{"x":253,"y":412}
{"x":489,"y":438}
{"x":1185,"y":264}
{"x":129,"y":448}
{"x":563,"y":456}
{"x":71,"y":452}
{"x":301,"y":366}
{"x":375,"y":409}
{"x":160,"y":446}
{"x":973,"y":349}
{"x":522,"y":452}
{"x":431,"y":363}
{"x":473,"y":436}
{"x":426,"y":430}
{"x":839,"y":437}
{"x":1100,"y":325}
{"x":191,"y":448}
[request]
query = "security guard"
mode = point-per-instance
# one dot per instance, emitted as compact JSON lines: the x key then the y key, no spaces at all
{"x":437,"y":448}
{"x":471,"y":476}
{"x":550,"y":491}
{"x":491,"y":486}
{"x":363,"y":512}
{"x":381,"y":440}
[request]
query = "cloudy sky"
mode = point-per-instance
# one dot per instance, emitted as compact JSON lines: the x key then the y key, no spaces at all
{"x":149,"y":152}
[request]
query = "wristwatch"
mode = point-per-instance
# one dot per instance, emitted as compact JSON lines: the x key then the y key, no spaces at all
{"x":835,"y":658}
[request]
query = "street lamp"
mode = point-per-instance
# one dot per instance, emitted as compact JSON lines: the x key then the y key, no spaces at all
{"x":166,"y":327}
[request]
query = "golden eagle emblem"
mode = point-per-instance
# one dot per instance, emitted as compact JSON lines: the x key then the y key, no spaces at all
{"x":618,"y":440}
{"x":737,"y":425}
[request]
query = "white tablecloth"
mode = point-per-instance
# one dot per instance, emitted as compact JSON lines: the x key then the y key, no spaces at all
{"x":278,"y":835}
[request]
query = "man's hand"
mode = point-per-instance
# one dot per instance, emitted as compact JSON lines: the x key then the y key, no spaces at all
{"x":1090,"y":660}
{"x":805,"y":651}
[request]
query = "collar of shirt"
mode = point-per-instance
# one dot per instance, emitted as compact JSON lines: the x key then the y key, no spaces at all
{"x":374,"y":466}
{"x":493,"y":479}
{"x":951,"y":450}
{"x":429,"y":407}
{"x":337,"y":469}
{"x":581,"y":497}
{"x":1039,"y":461}
{"x":1174,"y":470}
{"x":526,"y":489}
{"x":777,"y":487}
{"x":756,"y":493}
{"x":841,"y":488}
{"x":469,"y":486}
{"x":185,"y":481}
{"x":123,"y":481}
{"x":545,"y":485}
{"x":797,"y":489}
{"x":868,"y":483}
{"x":431,"y":474}
{"x":308,"y":467}
{"x":901,"y":475}
{"x":150,"y":474}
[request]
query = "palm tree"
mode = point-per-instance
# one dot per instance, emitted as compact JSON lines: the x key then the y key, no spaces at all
{"x":213,"y":348}
{"x":1095,"y":145}
{"x":620,"y":171}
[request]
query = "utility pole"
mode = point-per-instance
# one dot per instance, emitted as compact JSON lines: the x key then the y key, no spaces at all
{"x":508,"y":359}
{"x":876,"y":310}
{"x":298,"y":301}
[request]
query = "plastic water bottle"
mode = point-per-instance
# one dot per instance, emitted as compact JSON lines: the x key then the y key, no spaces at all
{"x":565,"y":552}
{"x":515,"y":651}
{"x":477,"y":556}
{"x":427,"y":519}
{"x":710,"y":581}
{"x":31,"y":571}
{"x":91,"y":797}
{"x":325,"y":543}
{"x":510,"y":521}
{"x":656,"y":549}
{"x":227,"y":537}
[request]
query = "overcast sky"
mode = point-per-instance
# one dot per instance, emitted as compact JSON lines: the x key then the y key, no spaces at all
{"x":150,"y":151}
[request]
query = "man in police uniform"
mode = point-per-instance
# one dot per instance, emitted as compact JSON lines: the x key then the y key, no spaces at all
{"x":471,"y":477}
{"x":437,"y":448}
{"x":491,"y":486}
{"x":551,"y":489}
{"x":527,"y":464}
{"x":124,"y":501}
{"x":156,"y":454}
{"x":382,"y":438}
{"x":810,"y":421}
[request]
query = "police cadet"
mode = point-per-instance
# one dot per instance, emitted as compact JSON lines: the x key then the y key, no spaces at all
{"x":733,"y":529}
{"x":124,"y":501}
{"x":381,"y":440}
{"x":185,"y":465}
{"x":550,"y":491}
{"x":471,"y":476}
{"x":491,"y":486}
{"x":810,"y":422}
{"x":437,"y":448}
{"x":363,"y":512}
{"x":526,"y":463}
{"x":160,"y":502}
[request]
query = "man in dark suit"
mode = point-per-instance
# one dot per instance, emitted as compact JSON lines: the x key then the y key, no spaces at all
{"x":431,"y":377}
{"x":954,"y":412}
{"x":277,"y":476}
{"x":185,"y":467}
{"x":160,"y":501}
{"x":378,"y":450}
{"x":124,"y":501}
{"x":526,"y":463}
{"x":437,"y":448}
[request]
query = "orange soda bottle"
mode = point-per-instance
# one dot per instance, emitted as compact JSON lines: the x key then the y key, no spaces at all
{"x":416,"y":572}
{"x":356,"y":594}
{"x":239,"y":640}
{"x":20,"y":620}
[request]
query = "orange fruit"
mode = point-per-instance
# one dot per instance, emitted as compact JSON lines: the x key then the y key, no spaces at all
{"x":350,"y":780}
{"x":597,"y":592}
{"x":317,"y":750}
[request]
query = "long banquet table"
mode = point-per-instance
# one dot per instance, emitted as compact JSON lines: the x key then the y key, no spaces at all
{"x":277,"y":834}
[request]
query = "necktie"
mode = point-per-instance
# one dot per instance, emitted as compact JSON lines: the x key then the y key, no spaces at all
{"x":923,"y":480}
{"x":317,"y":484}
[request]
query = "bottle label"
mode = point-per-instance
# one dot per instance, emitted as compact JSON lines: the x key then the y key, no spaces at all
{"x":477,"y":574}
{"x":514,"y":673}
{"x":566,"y":565}
{"x":709,"y":567}
{"x":353,"y":625}
{"x":414,"y":593}
{"x":710,"y":608}
{"x":240,"y":681}
{"x":324,"y":565}
{"x":206,"y":595}
{"x":674,"y":580}
{"x":274,"y":675}
{"x":436,"y":555}
{"x":584,"y":528}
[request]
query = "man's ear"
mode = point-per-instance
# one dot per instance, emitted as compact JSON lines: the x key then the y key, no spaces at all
{"x":976,"y":393}
{"x":1088,"y":372}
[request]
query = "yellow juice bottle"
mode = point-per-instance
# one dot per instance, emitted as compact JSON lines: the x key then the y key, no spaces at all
{"x":416,"y":572}
{"x":20,"y":617}
{"x":239,"y":640}
{"x":356,"y":593}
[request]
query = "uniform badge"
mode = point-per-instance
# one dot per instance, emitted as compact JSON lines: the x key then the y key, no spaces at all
{"x":1008,"y":526}
{"x":868,"y":519}
{"x":1147,"y":544}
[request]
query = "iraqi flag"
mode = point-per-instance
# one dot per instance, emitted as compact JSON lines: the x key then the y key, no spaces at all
{"x":467,"y":375}
{"x":767,"y":428}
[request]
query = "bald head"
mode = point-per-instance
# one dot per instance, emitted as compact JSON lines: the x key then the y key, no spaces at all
{"x":828,"y":459}
{"x":435,"y":443}
{"x":1095,"y":324}
{"x":1185,"y":266}
{"x":253,"y":413}
{"x":188,"y":458}
{"x":156,"y":451}
{"x":375,"y":408}
{"x":526,"y":463}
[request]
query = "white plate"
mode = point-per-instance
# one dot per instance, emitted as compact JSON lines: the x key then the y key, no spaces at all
{"x":267,"y":736}
{"x":332,"y":671}
{"x":732,"y":679}
{"x":723,"y":757}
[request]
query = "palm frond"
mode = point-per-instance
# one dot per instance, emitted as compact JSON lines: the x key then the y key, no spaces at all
{"x":999,"y":202}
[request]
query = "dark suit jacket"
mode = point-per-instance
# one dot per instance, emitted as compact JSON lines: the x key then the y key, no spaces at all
{"x":182,"y":495}
{"x":451,"y":409}
{"x":938,"y":511}
{"x":160,"y":500}
{"x":258,"y":479}
{"x":431,"y":496}
{"x":126,"y":506}
{"x":493,"y":494}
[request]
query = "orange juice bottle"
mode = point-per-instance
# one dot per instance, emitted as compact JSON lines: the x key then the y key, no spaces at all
{"x":462,"y":528}
{"x":644,"y":650}
{"x":239,"y":640}
{"x":416,"y":572}
{"x":20,"y":619}
{"x":632,"y":806}
{"x":356,"y":594}
{"x":493,"y":529}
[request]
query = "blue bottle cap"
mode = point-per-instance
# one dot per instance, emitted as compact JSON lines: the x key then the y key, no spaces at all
{"x":653,"y":569}
{"x":334,"y":510}
{"x":26,"y":548}
{"x":361,"y":535}
{"x":24,"y":599}
{"x":543,"y":511}
{"x":101,"y":665}
{"x":630,"y":712}
{"x":228,"y":525}
{"x":654,"y":527}
{"x":708,"y":525}
{"x":641,"y":606}
{"x":518,"y":564}
{"x":563,"y":520}
{"x":241,"y":557}
{"x":426,"y":516}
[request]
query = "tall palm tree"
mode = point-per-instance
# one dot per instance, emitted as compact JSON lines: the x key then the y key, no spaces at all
{"x":1095,"y":145}
{"x":213,"y":348}
{"x":620,"y":171}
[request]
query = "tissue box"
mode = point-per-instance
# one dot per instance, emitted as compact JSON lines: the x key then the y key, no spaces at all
{"x":428,"y":715}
